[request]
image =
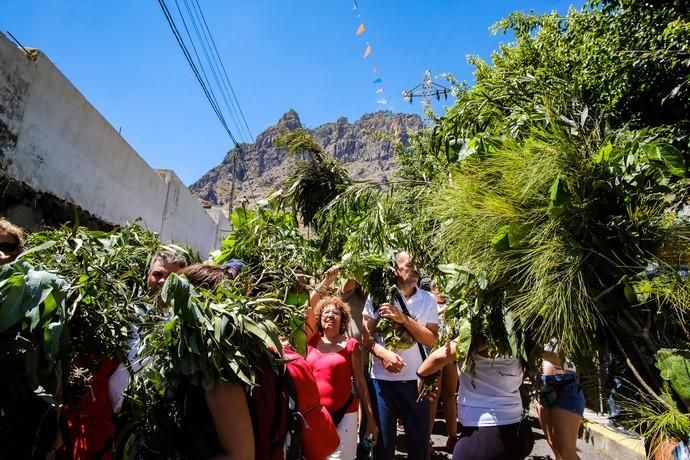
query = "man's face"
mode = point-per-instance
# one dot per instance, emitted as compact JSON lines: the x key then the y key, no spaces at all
{"x":9,"y":248}
{"x":158,"y":274}
{"x":406,"y":272}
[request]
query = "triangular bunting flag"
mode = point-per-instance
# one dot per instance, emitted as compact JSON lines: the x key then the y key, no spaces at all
{"x":379,"y":91}
{"x":367,"y":51}
{"x":378,"y":80}
{"x":376,"y":69}
{"x":361,"y":29}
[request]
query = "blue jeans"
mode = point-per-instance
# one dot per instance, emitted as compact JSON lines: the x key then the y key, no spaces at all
{"x":393,"y":400}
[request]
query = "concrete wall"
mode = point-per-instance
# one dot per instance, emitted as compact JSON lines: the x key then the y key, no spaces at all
{"x":55,"y":142}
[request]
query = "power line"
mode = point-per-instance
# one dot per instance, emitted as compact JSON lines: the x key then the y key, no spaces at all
{"x":198,"y":59}
{"x":210,"y":59}
{"x":225,"y":72}
{"x":199,"y":71}
{"x":185,"y":51}
{"x":436,"y":30}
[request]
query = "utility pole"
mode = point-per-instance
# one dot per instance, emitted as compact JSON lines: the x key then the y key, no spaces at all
{"x":234,"y":176}
{"x":426,"y":90}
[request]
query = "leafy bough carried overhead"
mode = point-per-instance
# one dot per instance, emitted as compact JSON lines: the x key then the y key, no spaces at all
{"x":35,"y":309}
{"x":211,"y":336}
{"x":317,"y":178}
{"x":108,"y":272}
{"x":280,"y":261}
{"x":201,"y":338}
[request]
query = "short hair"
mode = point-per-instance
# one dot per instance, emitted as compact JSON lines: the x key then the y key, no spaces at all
{"x":340,"y":305}
{"x":12,"y":230}
{"x":168,"y":257}
{"x":397,"y":255}
{"x":207,"y":276}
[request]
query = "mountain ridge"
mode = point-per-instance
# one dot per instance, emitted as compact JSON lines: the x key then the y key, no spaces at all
{"x":364,"y":147}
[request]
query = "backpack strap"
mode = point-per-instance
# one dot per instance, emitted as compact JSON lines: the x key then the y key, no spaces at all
{"x":338,"y":415}
{"x":293,"y":439}
{"x":403,"y":305}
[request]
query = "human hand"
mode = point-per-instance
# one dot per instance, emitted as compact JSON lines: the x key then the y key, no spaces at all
{"x":392,"y":362}
{"x":427,"y":387}
{"x":330,"y":275}
{"x":387,"y":310}
{"x":372,"y":431}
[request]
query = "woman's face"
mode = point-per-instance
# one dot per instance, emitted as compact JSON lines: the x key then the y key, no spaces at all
{"x":330,"y":318}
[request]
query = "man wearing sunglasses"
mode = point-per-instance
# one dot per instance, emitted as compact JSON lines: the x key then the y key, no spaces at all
{"x":11,"y":238}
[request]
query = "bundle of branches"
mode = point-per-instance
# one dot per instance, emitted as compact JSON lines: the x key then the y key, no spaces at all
{"x":280,"y":260}
{"x":106,"y":273}
{"x":206,"y":337}
{"x":476,"y":317}
{"x":367,"y":218}
{"x":394,"y":336}
{"x":35,"y":309}
{"x":561,"y":222}
{"x":317,"y":177}
{"x":374,"y":272}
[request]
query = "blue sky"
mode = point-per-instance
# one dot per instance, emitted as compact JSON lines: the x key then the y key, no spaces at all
{"x":299,"y":54}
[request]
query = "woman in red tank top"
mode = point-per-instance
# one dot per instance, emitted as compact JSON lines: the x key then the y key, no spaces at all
{"x":336,"y":361}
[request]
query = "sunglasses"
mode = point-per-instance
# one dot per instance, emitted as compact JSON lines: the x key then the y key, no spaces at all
{"x":9,"y":247}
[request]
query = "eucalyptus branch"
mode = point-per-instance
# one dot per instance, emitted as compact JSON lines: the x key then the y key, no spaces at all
{"x":637,"y":375}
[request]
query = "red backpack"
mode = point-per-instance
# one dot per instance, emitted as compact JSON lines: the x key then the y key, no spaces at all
{"x":288,"y":419}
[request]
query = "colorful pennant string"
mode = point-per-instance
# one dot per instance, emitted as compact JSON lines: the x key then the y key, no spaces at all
{"x":361,"y":29}
{"x":367,"y":51}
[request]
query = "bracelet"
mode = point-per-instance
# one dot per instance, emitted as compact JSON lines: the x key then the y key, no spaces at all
{"x":430,"y":376}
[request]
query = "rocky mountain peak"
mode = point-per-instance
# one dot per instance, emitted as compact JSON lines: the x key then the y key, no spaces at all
{"x":290,"y":120}
{"x":364,"y":147}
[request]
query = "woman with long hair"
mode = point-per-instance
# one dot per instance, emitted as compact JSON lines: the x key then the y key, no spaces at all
{"x":336,"y":361}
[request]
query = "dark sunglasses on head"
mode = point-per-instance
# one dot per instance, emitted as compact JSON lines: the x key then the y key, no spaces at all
{"x":9,"y":247}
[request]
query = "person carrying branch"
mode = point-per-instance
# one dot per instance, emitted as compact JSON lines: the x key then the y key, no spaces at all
{"x":393,"y":373}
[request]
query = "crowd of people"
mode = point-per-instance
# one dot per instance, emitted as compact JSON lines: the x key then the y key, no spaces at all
{"x":362,"y":391}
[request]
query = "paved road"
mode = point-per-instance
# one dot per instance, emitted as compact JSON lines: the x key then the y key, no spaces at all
{"x":541,"y":449}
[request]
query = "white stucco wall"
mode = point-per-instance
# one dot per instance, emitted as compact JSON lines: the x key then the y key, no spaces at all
{"x":64,"y":147}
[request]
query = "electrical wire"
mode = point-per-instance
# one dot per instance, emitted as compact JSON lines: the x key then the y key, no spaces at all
{"x":225,"y":72}
{"x":433,"y":37}
{"x":195,"y":70}
{"x":201,"y":75}
{"x":201,"y":35}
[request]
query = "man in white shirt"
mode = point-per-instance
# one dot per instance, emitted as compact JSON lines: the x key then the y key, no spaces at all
{"x":394,"y":375}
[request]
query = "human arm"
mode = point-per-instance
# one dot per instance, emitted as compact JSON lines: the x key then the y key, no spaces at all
{"x":227,"y":403}
{"x":363,"y":392}
{"x":426,"y":334}
{"x":437,"y":360}
{"x":348,"y":289}
{"x":392,"y":362}
{"x":310,"y":323}
{"x":430,"y":370}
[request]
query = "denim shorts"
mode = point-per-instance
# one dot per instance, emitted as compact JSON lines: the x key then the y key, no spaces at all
{"x":563,"y":391}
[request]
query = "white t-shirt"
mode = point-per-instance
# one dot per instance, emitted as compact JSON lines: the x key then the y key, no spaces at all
{"x":492,"y":398}
{"x":422,"y":307}
{"x":120,"y":380}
